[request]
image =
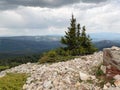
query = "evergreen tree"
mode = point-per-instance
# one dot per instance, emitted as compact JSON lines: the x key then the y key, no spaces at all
{"x":86,"y":42}
{"x":70,"y":38}
{"x":78,"y":35}
{"x":76,"y":40}
{"x":83,"y":37}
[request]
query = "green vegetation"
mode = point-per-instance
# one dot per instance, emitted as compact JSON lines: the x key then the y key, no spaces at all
{"x":12,"y":81}
{"x":90,"y":81}
{"x":77,"y":41}
{"x":102,"y":79}
{"x":99,"y":75}
{"x":52,"y":56}
{"x":99,"y":72}
{"x":14,"y":61}
{"x":3,"y":67}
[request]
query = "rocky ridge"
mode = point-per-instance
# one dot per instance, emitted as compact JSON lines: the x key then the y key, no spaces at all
{"x":75,"y":74}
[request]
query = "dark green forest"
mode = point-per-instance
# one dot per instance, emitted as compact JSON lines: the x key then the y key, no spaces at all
{"x":17,"y":60}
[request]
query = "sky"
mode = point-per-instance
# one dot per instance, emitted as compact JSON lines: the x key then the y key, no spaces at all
{"x":52,"y":17}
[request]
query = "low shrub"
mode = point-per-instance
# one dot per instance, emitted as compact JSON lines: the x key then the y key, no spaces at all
{"x":53,"y":56}
{"x":99,"y":72}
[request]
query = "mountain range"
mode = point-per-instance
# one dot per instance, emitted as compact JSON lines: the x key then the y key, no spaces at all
{"x":26,"y":45}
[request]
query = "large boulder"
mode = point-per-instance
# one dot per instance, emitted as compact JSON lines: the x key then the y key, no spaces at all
{"x":111,"y":59}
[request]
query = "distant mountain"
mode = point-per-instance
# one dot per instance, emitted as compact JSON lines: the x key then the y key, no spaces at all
{"x":33,"y":38}
{"x":105,"y":36}
{"x":106,"y":44}
{"x":24,"y":45}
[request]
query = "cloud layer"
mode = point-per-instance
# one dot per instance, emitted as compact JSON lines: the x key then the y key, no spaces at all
{"x":26,"y":19}
{"x":8,"y":4}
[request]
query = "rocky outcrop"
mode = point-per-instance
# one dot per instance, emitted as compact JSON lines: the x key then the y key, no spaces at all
{"x":69,"y":75}
{"x":112,"y":56}
{"x":111,"y":59}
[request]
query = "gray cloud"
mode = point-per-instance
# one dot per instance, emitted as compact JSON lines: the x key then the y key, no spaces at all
{"x":93,"y":1}
{"x":10,"y":4}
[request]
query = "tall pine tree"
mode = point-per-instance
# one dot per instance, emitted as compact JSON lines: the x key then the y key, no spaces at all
{"x":76,"y":40}
{"x":70,"y":38}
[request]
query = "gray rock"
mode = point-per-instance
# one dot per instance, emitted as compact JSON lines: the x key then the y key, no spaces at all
{"x":47,"y":84}
{"x":84,"y":76}
{"x":113,"y":88}
{"x":2,"y":74}
{"x":115,"y":48}
{"x":117,"y":83}
{"x":67,"y":80}
{"x":112,"y":56}
{"x":105,"y":87}
{"x":117,"y":77}
{"x":103,"y":68}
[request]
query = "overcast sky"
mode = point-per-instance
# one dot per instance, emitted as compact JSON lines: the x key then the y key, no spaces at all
{"x":52,"y":17}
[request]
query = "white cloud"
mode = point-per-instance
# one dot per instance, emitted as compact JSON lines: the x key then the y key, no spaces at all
{"x":102,"y":17}
{"x":10,"y":19}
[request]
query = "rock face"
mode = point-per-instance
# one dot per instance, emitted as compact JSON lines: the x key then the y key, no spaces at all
{"x":112,"y":56}
{"x":111,"y":59}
